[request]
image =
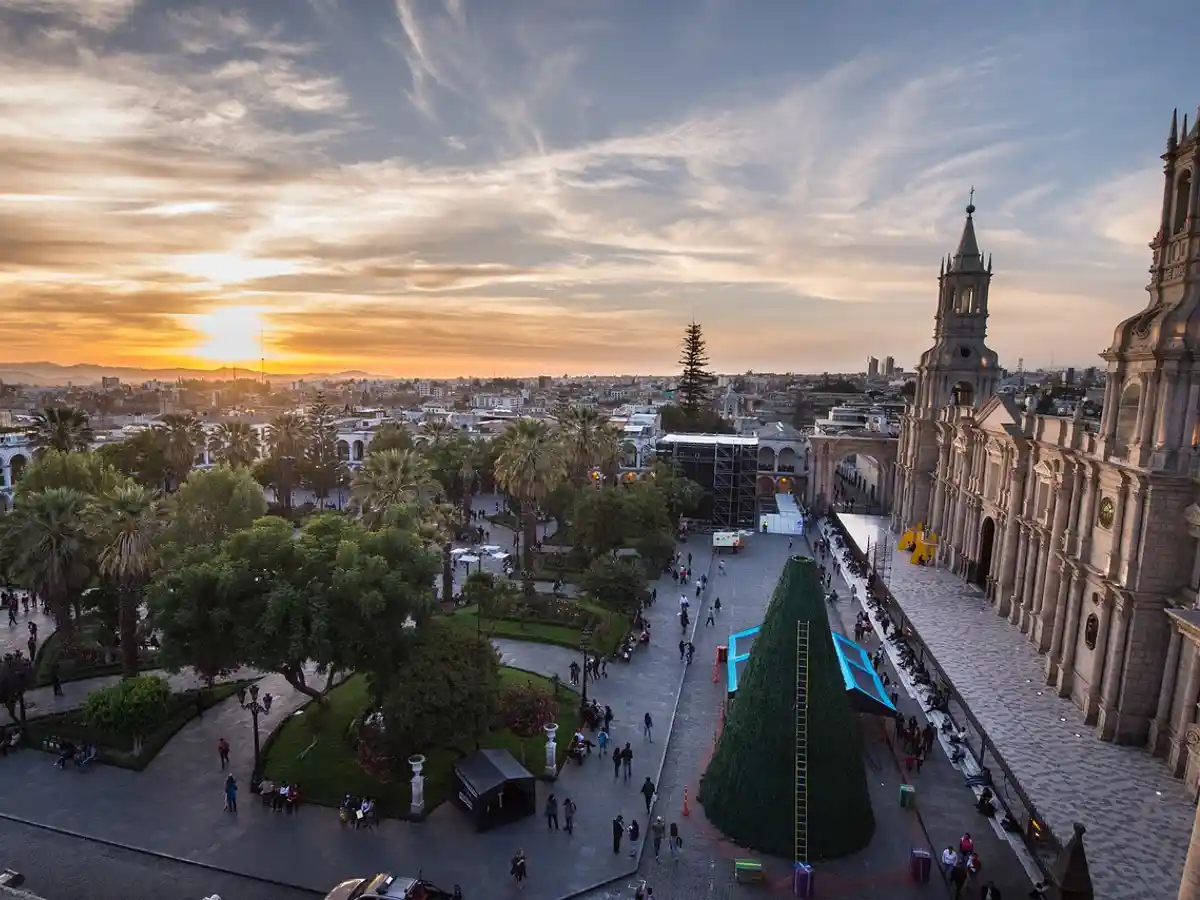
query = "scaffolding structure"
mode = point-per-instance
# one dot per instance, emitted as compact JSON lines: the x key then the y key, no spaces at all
{"x":880,"y":557}
{"x":726,"y":466}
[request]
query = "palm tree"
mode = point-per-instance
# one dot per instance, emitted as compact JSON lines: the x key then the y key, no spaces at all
{"x":436,"y":432}
{"x":127,"y":522}
{"x":588,"y":441}
{"x":50,"y":552}
{"x":183,"y":439}
{"x":61,"y":428}
{"x":234,"y":443}
{"x":287,"y":438}
{"x":390,"y":436}
{"x":529,"y":467}
{"x":390,"y":478}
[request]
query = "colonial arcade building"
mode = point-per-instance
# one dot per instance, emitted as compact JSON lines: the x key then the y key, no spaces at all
{"x":1085,"y":536}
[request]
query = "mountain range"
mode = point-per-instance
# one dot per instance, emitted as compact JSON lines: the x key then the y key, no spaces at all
{"x":47,"y":374}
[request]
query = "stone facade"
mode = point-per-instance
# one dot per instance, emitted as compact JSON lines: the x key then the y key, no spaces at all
{"x":1085,"y":537}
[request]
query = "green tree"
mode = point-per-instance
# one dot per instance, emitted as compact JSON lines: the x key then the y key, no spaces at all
{"x":598,"y":521}
{"x":211,"y":505}
{"x":530,"y":465}
{"x":134,"y":707}
{"x":85,"y":472}
{"x":16,"y":677}
{"x":183,"y":439}
{"x":615,"y":583}
{"x":50,"y":551}
{"x":754,"y":763}
{"x":390,"y":436}
{"x":286,"y":438}
{"x":389,"y":478}
{"x":127,"y":523}
{"x":694,"y":389}
{"x":141,"y":456}
{"x":234,"y":443}
{"x":683,"y":496}
{"x":321,"y":469}
{"x":445,"y":694}
{"x":194,"y":605}
{"x":588,"y":442}
{"x":62,"y":428}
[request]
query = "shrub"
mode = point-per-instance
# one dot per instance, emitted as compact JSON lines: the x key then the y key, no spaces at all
{"x":133,"y":707}
{"x":525,"y":708}
{"x":617,"y":584}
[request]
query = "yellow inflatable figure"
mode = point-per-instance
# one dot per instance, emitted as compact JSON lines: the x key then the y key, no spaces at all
{"x":908,"y":540}
{"x":926,"y":549}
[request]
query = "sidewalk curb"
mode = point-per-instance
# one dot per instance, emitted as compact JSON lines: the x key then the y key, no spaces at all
{"x":169,"y":857}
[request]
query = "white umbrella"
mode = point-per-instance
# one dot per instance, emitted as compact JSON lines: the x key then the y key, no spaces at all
{"x":489,"y":548}
{"x":468,"y":558}
{"x":499,"y":556}
{"x":459,"y":551}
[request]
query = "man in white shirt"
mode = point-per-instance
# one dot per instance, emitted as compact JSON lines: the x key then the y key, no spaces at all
{"x":949,"y":860}
{"x":683,"y":601}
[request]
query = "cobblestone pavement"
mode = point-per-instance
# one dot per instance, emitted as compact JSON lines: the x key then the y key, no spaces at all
{"x":16,"y":637}
{"x":1138,"y":817}
{"x":59,"y":867}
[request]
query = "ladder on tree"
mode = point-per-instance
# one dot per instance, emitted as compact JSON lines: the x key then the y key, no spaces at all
{"x":801,"y":742}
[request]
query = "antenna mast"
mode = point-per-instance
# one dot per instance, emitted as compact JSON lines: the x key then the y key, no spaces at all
{"x":262,"y":357}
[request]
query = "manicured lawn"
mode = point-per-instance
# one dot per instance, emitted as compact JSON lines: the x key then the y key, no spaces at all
{"x":605,"y":641}
{"x":328,"y":769}
{"x":117,"y":749}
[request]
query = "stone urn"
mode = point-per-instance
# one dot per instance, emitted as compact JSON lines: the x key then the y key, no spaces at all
{"x":417,"y":807}
{"x":551,"y":749}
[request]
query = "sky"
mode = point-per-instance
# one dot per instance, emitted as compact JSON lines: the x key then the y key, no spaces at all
{"x":518,"y":187}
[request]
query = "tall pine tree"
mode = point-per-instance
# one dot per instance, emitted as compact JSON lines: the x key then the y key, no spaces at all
{"x":322,"y":468}
{"x":693,"y":394}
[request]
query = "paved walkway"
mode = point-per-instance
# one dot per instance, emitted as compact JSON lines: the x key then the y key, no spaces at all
{"x":174,"y":807}
{"x":1139,"y":818}
{"x":16,"y":637}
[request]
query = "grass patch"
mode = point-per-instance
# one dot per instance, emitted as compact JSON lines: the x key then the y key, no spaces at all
{"x":328,"y":769}
{"x":605,"y":639}
{"x":117,"y":749}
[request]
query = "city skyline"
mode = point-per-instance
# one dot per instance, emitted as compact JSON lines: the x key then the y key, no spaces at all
{"x":443,"y":188}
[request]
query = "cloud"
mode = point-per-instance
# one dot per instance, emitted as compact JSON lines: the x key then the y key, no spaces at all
{"x":100,"y":14}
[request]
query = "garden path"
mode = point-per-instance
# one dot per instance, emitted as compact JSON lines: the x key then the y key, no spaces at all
{"x":42,"y":702}
{"x":16,"y":637}
{"x":174,"y":808}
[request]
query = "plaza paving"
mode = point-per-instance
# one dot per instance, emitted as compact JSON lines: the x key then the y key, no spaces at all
{"x":1138,"y":817}
{"x":175,"y":806}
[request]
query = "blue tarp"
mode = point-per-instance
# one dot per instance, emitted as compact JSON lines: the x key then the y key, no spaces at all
{"x":866,"y":691}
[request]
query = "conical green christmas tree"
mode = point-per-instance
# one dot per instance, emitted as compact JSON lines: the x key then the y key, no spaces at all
{"x":749,"y":789}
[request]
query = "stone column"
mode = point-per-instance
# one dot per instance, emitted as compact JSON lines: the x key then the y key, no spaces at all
{"x":1114,"y":669}
{"x":1059,"y":623}
{"x":1087,"y":514}
{"x":1018,"y":592}
{"x":1099,"y":656}
{"x":1066,"y":671}
{"x":1032,"y":563}
{"x":1189,"y":887}
{"x":1150,"y":386}
{"x":1166,"y":694}
{"x":1129,"y":545}
{"x":1049,"y":618}
{"x":1044,"y":564}
{"x":1184,"y":712}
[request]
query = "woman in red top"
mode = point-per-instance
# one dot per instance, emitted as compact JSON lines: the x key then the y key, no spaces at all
{"x":966,"y":845}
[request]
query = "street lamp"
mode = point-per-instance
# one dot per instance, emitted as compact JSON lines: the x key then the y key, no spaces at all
{"x":256,"y":708}
{"x":585,"y":640}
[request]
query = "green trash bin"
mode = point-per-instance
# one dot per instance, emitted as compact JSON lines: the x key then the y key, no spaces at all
{"x":908,"y":796}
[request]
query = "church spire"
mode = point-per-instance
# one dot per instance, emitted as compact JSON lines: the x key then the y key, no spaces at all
{"x":968,"y":258}
{"x":1173,"y":136}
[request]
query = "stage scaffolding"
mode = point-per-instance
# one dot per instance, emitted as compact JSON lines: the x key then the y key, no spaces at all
{"x":726,"y":466}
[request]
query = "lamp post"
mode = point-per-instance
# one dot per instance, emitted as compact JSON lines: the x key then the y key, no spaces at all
{"x":585,"y":641}
{"x":256,"y":709}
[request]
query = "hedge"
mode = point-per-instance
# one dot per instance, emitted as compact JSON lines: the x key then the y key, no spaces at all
{"x":749,"y":788}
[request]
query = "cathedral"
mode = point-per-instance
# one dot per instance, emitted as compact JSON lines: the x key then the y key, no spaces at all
{"x":1084,"y":535}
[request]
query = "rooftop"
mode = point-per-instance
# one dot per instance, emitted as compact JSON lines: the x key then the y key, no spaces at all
{"x":714,"y":440}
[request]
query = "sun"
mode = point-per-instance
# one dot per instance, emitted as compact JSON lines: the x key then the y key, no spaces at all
{"x":228,"y":334}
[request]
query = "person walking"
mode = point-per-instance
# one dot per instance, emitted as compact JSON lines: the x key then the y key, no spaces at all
{"x":618,"y":832}
{"x":517,"y":869}
{"x":958,"y":878}
{"x":55,"y":681}
{"x":231,"y":790}
{"x":569,"y":816}
{"x":552,"y":813}
{"x":223,"y":752}
{"x":674,"y":841}
{"x":647,"y":727}
{"x":616,"y":758}
{"x":627,"y":760}
{"x":682,"y":649}
{"x":658,"y":830}
{"x":709,"y":620}
{"x":635,"y":833}
{"x":648,"y":790}
{"x":990,"y":892}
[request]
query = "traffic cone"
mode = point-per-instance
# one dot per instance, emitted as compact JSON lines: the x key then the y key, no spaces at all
{"x":687,"y":810}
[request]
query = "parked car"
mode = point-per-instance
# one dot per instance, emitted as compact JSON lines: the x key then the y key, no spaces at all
{"x":390,"y":887}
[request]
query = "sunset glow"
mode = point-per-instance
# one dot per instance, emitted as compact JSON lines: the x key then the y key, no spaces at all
{"x":229,"y":334}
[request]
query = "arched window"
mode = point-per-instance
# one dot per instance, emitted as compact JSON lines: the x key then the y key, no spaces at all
{"x":964,"y":394}
{"x":966,"y":301}
{"x":1127,"y":414}
{"x":1183,"y":193}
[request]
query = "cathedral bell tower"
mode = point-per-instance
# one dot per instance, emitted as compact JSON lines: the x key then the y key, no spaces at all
{"x":959,"y":370}
{"x":1153,"y":389}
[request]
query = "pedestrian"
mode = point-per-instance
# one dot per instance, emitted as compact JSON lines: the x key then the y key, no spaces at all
{"x":32,"y":648}
{"x":929,"y":735}
{"x":627,"y":760}
{"x":616,"y":758}
{"x":634,"y":833}
{"x":618,"y":832}
{"x":920,"y":759}
{"x":231,"y":789}
{"x":958,"y":878}
{"x":648,"y":792}
{"x":674,"y":841}
{"x":639,"y":893}
{"x":647,"y":727}
{"x":717,"y":605}
{"x":55,"y":680}
{"x":709,"y":620}
{"x":552,"y":813}
{"x":223,"y":752}
{"x":657,"y":830}
{"x":241,"y":695}
{"x":682,"y":649}
{"x":691,"y":651}
{"x":517,"y":869}
{"x":608,"y":717}
{"x":949,"y":861}
{"x":990,"y":892}
{"x":602,"y":741}
{"x":569,"y":816}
